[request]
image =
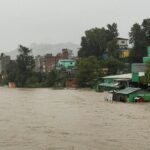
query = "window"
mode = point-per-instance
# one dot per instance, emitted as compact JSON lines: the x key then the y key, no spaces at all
{"x":122,"y":42}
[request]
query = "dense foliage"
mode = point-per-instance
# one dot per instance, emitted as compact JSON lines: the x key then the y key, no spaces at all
{"x":25,"y":65}
{"x":88,"y":71}
{"x":21,"y":71}
{"x":97,"y":41}
{"x":92,"y":63}
{"x":140,"y":39}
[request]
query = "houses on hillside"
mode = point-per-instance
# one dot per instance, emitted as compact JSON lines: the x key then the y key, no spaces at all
{"x":45,"y":63}
{"x":48,"y":62}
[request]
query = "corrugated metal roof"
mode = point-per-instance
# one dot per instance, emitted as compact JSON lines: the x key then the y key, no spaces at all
{"x":128,"y":90}
{"x":122,"y":76}
{"x":113,"y":85}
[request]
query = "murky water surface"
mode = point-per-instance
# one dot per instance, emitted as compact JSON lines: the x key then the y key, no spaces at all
{"x":45,"y":119}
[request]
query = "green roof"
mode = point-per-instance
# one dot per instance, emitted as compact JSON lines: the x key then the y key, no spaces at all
{"x":128,"y":90}
{"x":112,"y":85}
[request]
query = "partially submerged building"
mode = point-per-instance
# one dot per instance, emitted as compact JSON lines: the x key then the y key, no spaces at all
{"x":129,"y":87}
{"x":130,"y":94}
{"x":116,"y":82}
{"x":139,"y":89}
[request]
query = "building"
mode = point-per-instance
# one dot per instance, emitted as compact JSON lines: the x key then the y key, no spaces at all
{"x":4,"y":61}
{"x":65,"y":64}
{"x":122,"y":43}
{"x":65,"y":54}
{"x":38,"y":64}
{"x":115,"y":82}
{"x":123,"y":47}
{"x":48,"y":62}
{"x":123,"y":50}
{"x":45,"y":63}
{"x":139,"y":91}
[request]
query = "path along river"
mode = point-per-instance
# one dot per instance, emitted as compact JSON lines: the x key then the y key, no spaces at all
{"x":46,"y":119}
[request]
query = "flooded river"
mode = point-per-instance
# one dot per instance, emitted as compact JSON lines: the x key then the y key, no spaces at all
{"x":46,"y":119}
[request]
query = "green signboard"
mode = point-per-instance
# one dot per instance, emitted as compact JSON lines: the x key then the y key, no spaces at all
{"x":148,"y":51}
{"x":146,"y":59}
{"x":135,"y":77}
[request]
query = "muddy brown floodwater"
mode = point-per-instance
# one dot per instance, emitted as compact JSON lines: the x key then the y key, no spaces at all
{"x":46,"y":119}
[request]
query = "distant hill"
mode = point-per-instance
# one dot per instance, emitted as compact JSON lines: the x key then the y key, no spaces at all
{"x":42,"y":49}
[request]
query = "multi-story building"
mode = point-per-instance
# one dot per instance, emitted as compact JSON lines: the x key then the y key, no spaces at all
{"x":38,"y":66}
{"x":45,"y":63}
{"x":123,"y":47}
{"x":122,"y":43}
{"x":48,"y":62}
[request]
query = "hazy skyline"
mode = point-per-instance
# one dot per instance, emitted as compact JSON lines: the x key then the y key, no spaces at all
{"x":48,"y":21}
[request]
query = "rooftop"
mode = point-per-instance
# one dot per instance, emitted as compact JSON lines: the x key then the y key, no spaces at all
{"x":128,"y":90}
{"x":122,"y":76}
{"x":119,"y":38}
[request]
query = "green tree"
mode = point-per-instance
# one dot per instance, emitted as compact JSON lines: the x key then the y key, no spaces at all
{"x":52,"y":78}
{"x":25,"y":65}
{"x":98,"y":40}
{"x":113,"y":65}
{"x":140,"y":38}
{"x":88,"y":71}
{"x":11,"y":71}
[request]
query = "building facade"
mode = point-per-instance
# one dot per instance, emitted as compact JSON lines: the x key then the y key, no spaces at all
{"x":65,"y":64}
{"x":48,"y":62}
{"x":123,"y":47}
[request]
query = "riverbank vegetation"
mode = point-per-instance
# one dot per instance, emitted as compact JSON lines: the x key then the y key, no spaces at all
{"x":98,"y":56}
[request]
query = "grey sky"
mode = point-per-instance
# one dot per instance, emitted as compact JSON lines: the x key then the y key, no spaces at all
{"x":55,"y":21}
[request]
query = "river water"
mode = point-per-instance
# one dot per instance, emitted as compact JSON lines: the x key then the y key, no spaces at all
{"x":46,"y":119}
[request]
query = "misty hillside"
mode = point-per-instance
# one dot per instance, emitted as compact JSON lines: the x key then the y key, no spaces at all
{"x":42,"y":49}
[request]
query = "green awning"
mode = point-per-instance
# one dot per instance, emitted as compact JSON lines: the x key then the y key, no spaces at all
{"x":111,"y":85}
{"x":128,"y":90}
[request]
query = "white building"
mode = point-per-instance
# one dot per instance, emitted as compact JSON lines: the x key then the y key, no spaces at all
{"x":122,"y":43}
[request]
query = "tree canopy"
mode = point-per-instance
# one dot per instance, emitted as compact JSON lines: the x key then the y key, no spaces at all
{"x":140,"y":38}
{"x":25,"y":65}
{"x":99,"y":40}
{"x":88,"y":71}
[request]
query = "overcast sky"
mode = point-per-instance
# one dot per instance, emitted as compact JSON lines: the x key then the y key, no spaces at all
{"x":57,"y":21}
